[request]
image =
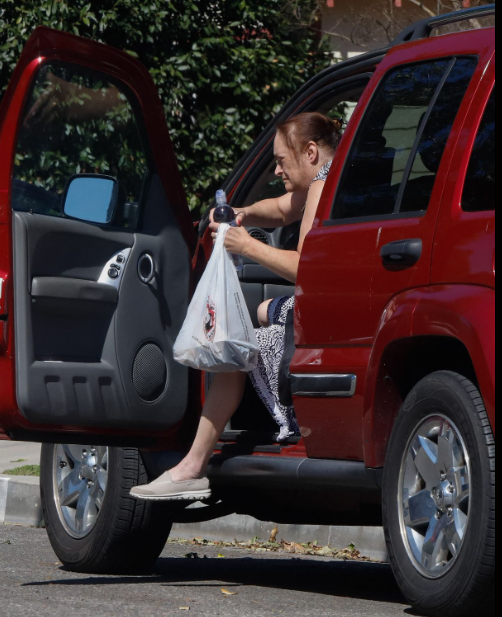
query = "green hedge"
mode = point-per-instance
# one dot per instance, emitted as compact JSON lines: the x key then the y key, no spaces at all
{"x":223,"y":67}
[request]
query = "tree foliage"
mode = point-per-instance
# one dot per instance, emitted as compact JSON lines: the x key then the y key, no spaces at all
{"x":223,"y":68}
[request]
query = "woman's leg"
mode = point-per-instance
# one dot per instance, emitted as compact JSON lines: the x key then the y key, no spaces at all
{"x":263,"y":314}
{"x":224,"y":397}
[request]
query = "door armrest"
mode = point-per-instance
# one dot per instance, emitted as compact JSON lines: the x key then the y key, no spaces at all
{"x":60,"y":288}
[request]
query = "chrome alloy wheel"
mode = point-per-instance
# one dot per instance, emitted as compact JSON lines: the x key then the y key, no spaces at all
{"x":80,"y":479}
{"x":434,"y":496}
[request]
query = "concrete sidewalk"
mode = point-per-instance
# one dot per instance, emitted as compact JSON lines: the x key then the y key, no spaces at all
{"x":17,"y":454}
{"x":19,"y":495}
{"x":20,"y":502}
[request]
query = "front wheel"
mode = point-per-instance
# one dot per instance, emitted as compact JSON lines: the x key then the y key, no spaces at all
{"x":439,"y":499}
{"x":93,"y":523}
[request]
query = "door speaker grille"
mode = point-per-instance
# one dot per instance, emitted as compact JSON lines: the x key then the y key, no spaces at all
{"x":149,"y":372}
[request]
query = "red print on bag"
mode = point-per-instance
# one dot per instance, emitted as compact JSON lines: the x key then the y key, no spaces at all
{"x":210,"y":320}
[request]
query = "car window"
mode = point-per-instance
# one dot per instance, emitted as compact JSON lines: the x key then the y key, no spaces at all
{"x":392,"y":142}
{"x":77,"y":122}
{"x":432,"y":144}
{"x":479,"y":189}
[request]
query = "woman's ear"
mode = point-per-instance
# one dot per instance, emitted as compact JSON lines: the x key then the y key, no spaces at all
{"x":312,"y":153}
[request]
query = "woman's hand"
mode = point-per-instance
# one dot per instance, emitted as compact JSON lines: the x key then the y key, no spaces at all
{"x":237,"y":240}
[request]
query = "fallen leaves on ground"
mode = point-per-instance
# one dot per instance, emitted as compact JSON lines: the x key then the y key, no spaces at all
{"x":225,"y":592}
{"x":311,"y":548}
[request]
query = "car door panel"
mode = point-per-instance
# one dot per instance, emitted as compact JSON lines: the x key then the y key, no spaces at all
{"x":90,"y":352}
{"x":79,"y":352}
{"x":344,"y":284}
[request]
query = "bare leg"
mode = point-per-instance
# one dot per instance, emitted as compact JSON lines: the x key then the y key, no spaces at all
{"x":222,"y":402}
{"x":263,"y":314}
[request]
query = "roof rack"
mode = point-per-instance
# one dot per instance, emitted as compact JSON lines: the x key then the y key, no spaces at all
{"x":423,"y":29}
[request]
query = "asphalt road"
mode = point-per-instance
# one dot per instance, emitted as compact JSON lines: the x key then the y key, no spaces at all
{"x":33,"y":583}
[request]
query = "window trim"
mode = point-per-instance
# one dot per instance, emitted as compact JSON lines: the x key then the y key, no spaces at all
{"x":140,"y":124}
{"x":396,"y":215}
{"x":374,"y":219}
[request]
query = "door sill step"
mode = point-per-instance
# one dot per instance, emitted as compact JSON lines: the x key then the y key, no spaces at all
{"x":254,"y":472}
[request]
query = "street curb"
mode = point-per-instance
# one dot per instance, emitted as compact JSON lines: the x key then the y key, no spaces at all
{"x":20,"y":504}
{"x":369,"y":541}
{"x":20,"y":501}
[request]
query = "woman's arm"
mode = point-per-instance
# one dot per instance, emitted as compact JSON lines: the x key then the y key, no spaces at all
{"x":274,"y":213}
{"x":278,"y":212}
{"x":283,"y":263}
{"x":313,"y":200}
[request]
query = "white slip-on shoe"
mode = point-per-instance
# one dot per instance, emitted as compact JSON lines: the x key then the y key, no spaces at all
{"x":166,"y":489}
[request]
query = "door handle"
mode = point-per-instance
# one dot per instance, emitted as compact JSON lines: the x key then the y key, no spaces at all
{"x":402,"y":254}
{"x":146,"y":269}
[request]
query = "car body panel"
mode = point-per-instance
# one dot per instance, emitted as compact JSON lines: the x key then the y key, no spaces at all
{"x":438,"y":313}
{"x":330,"y":426}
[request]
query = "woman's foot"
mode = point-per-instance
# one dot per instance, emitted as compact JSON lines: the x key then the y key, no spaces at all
{"x":166,"y":488}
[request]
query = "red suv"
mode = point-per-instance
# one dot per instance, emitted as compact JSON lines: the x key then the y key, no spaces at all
{"x":393,"y":376}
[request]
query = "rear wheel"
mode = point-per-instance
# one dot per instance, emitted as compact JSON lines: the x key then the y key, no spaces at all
{"x":439,"y":501}
{"x":93,"y":523}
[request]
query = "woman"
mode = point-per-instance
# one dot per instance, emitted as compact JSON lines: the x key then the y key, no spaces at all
{"x":304,"y":149}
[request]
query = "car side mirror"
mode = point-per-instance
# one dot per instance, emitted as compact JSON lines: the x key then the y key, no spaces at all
{"x":92,"y":198}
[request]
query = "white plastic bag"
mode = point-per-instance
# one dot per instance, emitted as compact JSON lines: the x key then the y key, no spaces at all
{"x":218,"y":335}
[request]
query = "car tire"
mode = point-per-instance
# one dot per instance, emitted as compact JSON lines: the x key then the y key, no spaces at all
{"x":93,"y":523}
{"x":452,"y":572}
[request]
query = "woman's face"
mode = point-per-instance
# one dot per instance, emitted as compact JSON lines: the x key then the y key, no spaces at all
{"x":295,"y":170}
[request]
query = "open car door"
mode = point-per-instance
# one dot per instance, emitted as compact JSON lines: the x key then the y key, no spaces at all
{"x":96,"y":243}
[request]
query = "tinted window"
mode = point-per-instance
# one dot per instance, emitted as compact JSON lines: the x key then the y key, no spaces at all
{"x":76,"y":122}
{"x":381,"y":157}
{"x":435,"y":136}
{"x":479,"y":190}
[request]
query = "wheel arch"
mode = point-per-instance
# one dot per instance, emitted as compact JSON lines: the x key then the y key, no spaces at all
{"x":424,"y":331}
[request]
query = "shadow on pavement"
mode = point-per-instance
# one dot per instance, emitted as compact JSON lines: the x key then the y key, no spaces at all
{"x":363,"y":581}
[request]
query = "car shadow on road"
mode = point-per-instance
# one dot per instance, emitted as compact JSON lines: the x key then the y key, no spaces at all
{"x":363,"y":581}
